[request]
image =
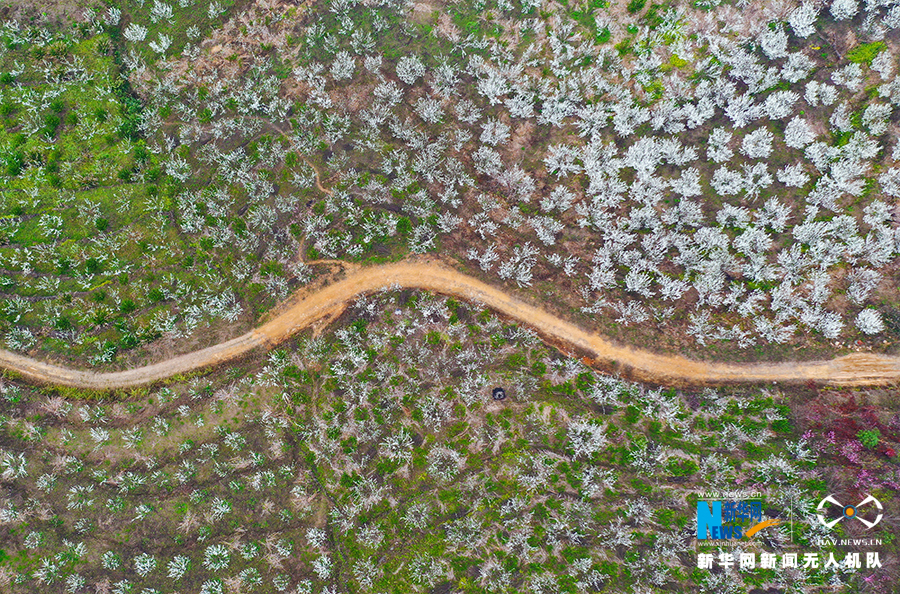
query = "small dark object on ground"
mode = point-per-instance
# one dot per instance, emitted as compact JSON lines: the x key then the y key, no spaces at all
{"x":499,"y":394}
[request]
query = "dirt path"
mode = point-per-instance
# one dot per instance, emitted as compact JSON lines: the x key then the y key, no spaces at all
{"x":328,"y":302}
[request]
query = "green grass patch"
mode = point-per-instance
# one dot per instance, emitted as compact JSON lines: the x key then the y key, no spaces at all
{"x":866,"y":52}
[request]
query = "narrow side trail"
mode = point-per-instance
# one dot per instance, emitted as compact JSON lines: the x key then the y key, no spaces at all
{"x":330,"y":301}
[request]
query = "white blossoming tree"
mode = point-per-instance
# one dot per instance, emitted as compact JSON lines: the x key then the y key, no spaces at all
{"x":803,"y":19}
{"x":757,"y":144}
{"x":842,"y":10}
{"x":409,"y":69}
{"x":869,"y":321}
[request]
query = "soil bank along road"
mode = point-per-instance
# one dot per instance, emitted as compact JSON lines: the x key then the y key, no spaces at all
{"x":856,"y":369}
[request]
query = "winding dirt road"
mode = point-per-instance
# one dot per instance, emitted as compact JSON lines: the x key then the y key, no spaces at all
{"x":330,"y":301}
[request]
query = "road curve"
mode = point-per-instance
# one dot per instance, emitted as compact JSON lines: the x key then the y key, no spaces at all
{"x":856,"y":369}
